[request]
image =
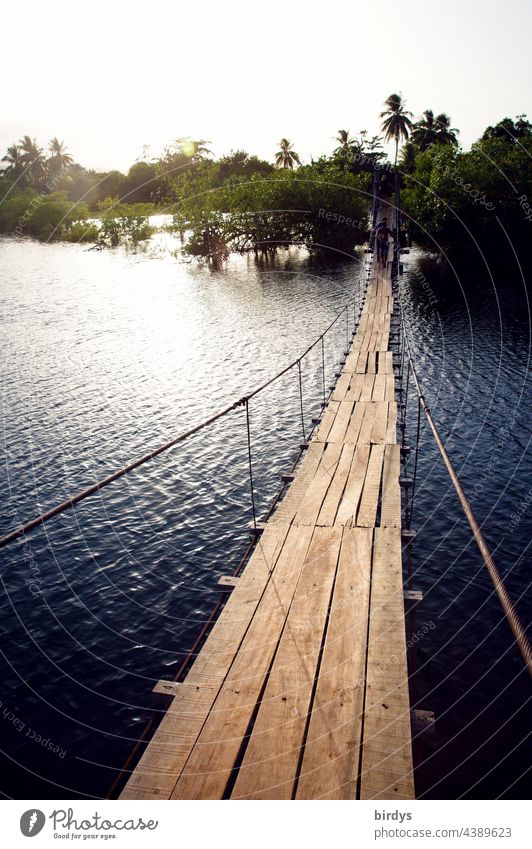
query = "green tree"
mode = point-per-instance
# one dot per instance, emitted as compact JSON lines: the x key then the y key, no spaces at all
{"x":286,"y":157}
{"x":141,"y":183}
{"x":509,"y":130}
{"x":59,"y":159}
{"x":33,"y":161}
{"x":345,"y":142}
{"x":194,"y":149}
{"x":15,"y":165}
{"x":397,"y":124}
{"x":407,"y":160}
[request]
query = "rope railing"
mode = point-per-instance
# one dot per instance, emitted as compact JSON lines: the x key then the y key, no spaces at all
{"x":241,"y":402}
{"x":511,"y":614}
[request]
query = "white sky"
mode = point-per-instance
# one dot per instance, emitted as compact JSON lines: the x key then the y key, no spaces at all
{"x":108,"y":77}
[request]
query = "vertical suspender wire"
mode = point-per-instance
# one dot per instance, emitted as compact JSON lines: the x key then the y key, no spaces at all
{"x":301,"y":400}
{"x":415,"y":463}
{"x":406,"y":405}
{"x":346,"y":330}
{"x":250,"y":466}
{"x":323,"y":368}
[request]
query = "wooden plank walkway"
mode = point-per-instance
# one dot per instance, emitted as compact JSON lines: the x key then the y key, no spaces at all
{"x":301,"y":689}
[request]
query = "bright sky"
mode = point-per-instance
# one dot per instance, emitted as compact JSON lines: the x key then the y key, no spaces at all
{"x":109,"y":76}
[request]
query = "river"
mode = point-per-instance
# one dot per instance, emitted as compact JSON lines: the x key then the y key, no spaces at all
{"x":108,"y":354}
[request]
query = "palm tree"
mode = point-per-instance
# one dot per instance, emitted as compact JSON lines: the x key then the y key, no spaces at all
{"x":13,"y":158}
{"x":445,"y":134}
{"x":433,"y":130}
{"x":60,"y":159}
{"x":286,"y":157}
{"x":407,"y":159}
{"x":32,"y":158}
{"x":397,"y":123}
{"x":345,"y":142}
{"x":424,"y":132}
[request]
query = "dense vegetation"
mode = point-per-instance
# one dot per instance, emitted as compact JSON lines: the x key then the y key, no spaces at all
{"x":455,"y":197}
{"x":234,"y":203}
{"x":240,"y":203}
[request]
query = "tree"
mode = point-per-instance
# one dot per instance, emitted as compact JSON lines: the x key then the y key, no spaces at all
{"x":445,"y":134}
{"x":509,"y":130}
{"x":13,"y":157}
{"x":141,"y":183}
{"x":239,"y":163}
{"x":33,"y":161}
{"x":397,"y":124}
{"x":194,"y":148}
{"x":286,"y":157}
{"x":60,"y":159}
{"x":345,"y":142}
{"x":407,"y":160}
{"x":433,"y":130}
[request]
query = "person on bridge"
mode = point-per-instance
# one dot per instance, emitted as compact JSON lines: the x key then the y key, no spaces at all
{"x":382,"y":235}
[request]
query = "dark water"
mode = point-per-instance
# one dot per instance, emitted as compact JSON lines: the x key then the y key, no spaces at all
{"x":108,"y":354}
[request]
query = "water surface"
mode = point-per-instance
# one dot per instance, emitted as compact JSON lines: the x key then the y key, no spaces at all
{"x":107,"y":354}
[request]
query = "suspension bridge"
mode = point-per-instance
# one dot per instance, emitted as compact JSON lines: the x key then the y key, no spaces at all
{"x":301,"y":689}
{"x":297,"y":686}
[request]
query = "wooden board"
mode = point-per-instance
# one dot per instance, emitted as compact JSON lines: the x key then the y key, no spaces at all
{"x":330,"y":762}
{"x":367,"y":511}
{"x":348,"y":507}
{"x":387,"y":771}
{"x":391,"y":491}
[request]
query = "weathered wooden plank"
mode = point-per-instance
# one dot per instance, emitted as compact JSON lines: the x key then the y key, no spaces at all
{"x":367,"y":423}
{"x":270,"y":762}
{"x":387,"y":771}
{"x":335,"y":492}
{"x":391,"y":430}
{"x":342,"y":387}
{"x":327,"y":422}
{"x":362,"y":362}
{"x":288,"y":507}
{"x":351,"y":362}
{"x":331,"y":758}
{"x":369,"y":501}
{"x":379,"y":387}
{"x":380,"y":425}
{"x":353,"y":430}
{"x":366,"y":391}
{"x":341,"y":422}
{"x":391,"y":491}
{"x":348,"y":506}
{"x":314,"y":497}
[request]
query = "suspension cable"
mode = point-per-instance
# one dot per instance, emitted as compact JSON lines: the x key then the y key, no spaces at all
{"x":500,"y":588}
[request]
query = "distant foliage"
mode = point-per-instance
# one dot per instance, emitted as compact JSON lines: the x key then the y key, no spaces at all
{"x":45,"y":217}
{"x":266,"y":212}
{"x":454,"y":197}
